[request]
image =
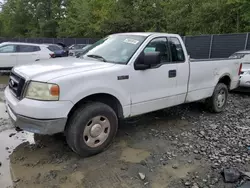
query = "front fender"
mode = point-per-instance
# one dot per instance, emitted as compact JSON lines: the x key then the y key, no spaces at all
{"x":124,"y":100}
{"x":81,"y":90}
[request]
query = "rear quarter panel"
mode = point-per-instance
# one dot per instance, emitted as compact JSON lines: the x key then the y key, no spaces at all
{"x":205,"y":75}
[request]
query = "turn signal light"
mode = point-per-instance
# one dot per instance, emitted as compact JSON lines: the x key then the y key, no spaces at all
{"x":54,"y":90}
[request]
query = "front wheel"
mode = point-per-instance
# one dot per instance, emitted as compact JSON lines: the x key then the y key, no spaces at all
{"x":91,"y":129}
{"x":217,"y":103}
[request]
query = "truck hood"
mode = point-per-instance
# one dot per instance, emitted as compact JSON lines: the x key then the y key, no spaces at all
{"x":54,"y":68}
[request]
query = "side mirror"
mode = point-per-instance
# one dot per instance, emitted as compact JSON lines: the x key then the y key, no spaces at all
{"x":152,"y":58}
{"x":147,"y":60}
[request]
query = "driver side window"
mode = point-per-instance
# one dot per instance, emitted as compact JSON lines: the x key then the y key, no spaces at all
{"x":8,"y":49}
{"x":159,"y":45}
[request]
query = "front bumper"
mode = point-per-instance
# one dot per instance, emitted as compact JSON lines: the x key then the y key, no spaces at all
{"x":46,"y":127}
{"x":39,"y":117}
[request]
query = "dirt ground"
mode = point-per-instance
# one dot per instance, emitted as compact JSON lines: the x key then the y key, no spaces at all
{"x":184,"y":146}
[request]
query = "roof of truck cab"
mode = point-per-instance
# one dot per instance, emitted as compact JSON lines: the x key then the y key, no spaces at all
{"x":146,"y":34}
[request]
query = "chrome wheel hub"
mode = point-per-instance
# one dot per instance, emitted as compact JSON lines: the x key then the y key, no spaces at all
{"x":221,"y":99}
{"x":96,"y":131}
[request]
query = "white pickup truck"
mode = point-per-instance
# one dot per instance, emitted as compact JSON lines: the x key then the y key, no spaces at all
{"x":121,"y":76}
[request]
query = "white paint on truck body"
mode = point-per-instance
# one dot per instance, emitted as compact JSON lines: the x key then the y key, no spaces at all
{"x":144,"y":91}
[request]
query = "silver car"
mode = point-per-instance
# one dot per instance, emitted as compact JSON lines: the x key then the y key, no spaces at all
{"x":77,"y":52}
{"x":245,"y":75}
{"x":245,"y":72}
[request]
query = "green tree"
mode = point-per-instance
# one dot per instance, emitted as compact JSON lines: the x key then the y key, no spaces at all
{"x":31,"y":18}
{"x":97,"y":18}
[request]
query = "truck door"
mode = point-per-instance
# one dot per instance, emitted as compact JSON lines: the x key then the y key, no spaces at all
{"x":155,"y":88}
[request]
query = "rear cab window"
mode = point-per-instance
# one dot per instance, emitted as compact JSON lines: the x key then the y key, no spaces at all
{"x":177,"y":53}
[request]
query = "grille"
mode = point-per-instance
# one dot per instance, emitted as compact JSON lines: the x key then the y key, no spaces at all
{"x":16,"y":84}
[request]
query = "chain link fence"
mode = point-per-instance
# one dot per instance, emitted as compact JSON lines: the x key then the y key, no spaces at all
{"x":66,"y":41}
{"x":216,"y":46}
{"x":199,"y":47}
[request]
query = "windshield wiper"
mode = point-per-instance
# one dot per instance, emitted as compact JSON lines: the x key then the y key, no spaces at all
{"x":97,"y":57}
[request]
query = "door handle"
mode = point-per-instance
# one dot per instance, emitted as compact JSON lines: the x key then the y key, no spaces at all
{"x":172,"y":73}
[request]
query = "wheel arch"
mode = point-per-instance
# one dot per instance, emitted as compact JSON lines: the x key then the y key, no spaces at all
{"x":225,"y":79}
{"x":105,"y":98}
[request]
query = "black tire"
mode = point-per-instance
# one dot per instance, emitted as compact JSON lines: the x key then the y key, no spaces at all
{"x":80,"y":119}
{"x":212,"y":102}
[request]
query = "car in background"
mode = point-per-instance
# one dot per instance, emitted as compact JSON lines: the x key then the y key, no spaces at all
{"x":245,"y":72}
{"x":245,"y":76}
{"x":17,"y":53}
{"x":241,"y":54}
{"x":58,"y":50}
{"x":64,"y":46}
{"x":76,"y":46}
{"x":78,"y":52}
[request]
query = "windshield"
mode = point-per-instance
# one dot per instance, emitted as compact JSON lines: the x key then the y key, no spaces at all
{"x":115,"y":48}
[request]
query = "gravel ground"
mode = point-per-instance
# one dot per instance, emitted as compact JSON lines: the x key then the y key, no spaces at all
{"x":184,"y":146}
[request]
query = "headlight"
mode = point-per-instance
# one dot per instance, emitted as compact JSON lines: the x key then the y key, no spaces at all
{"x":42,"y":91}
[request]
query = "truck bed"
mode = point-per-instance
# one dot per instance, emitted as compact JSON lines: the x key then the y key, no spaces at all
{"x":204,"y":76}
{"x":212,"y":59}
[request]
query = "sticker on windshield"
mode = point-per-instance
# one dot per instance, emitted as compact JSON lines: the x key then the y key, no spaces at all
{"x":131,"y":41}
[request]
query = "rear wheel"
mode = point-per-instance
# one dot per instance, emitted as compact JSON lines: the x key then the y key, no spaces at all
{"x":91,"y":129}
{"x":217,"y":103}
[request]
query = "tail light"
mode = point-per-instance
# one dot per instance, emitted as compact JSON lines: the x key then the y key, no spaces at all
{"x":52,"y":55}
{"x":240,"y":69}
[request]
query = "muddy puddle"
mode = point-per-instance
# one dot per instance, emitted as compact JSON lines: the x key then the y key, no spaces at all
{"x":30,"y":160}
{"x":41,"y":161}
{"x":3,"y":81}
{"x":7,"y":146}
